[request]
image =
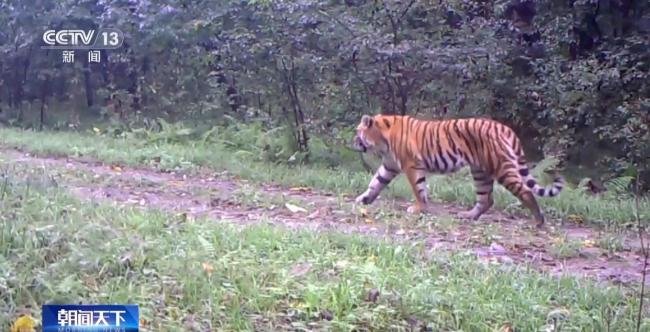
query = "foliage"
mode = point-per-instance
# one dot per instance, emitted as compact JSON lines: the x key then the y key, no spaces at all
{"x":570,"y":76}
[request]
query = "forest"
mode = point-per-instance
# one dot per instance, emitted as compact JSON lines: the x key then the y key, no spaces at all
{"x":204,"y":167}
{"x":570,"y":76}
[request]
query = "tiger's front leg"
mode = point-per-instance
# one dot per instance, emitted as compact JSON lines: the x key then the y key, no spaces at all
{"x":417,"y":179}
{"x":379,"y":181}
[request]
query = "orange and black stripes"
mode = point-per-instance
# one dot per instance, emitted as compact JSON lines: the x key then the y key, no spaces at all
{"x":416,"y":147}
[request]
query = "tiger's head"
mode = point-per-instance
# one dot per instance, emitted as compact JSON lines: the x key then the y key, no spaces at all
{"x":372,"y":133}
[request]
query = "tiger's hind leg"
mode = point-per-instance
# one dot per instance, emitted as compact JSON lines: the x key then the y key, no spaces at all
{"x":511,"y":180}
{"x":484,"y":186}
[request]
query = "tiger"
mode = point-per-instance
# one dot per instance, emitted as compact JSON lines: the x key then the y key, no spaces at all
{"x":421,"y":147}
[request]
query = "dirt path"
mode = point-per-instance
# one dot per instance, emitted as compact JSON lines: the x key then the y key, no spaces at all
{"x":496,"y":237}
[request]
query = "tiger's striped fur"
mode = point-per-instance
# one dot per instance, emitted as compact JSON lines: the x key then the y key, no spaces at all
{"x":420,"y":147}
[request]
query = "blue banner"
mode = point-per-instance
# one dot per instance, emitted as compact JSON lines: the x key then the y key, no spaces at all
{"x":90,"y":318}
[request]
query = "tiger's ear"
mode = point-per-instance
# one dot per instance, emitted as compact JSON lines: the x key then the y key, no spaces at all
{"x":367,"y":120}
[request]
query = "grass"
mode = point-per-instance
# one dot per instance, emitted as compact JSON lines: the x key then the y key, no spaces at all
{"x":198,"y":275}
{"x":611,"y":242}
{"x":565,"y":248}
{"x":606,"y":210}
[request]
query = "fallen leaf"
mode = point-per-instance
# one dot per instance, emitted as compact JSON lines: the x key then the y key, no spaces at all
{"x":588,"y":243}
{"x":369,"y":221}
{"x":294,"y":208}
{"x":507,"y":327}
{"x":91,"y":283}
{"x":298,"y":305}
{"x":364,"y":212}
{"x":226,"y":298}
{"x":575,"y":218}
{"x":24,"y":323}
{"x":208,"y":268}
{"x":301,"y":189}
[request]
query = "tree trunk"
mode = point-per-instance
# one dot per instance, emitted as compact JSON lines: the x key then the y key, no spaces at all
{"x":297,"y":109}
{"x":289,"y":75}
{"x":90,"y":92}
{"x":44,"y":93}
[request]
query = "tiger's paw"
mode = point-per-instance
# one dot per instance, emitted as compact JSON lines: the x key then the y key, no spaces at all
{"x":364,"y":199}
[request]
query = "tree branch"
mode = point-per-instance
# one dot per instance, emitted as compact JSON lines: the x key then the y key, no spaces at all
{"x":644,"y":250}
{"x":406,"y":10}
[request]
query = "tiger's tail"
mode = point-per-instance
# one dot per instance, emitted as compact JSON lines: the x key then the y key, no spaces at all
{"x":551,"y":190}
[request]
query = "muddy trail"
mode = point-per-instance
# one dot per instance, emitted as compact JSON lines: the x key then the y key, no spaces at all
{"x":499,"y":238}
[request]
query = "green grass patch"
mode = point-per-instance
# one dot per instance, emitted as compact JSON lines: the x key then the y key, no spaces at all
{"x":199,"y":275}
{"x":237,"y":158}
{"x":564,"y":248}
